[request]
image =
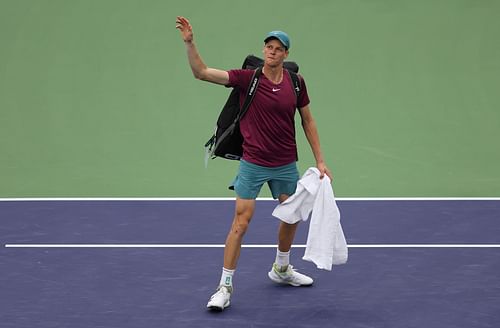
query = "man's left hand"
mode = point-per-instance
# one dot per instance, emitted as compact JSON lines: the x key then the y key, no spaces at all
{"x":324,"y":170}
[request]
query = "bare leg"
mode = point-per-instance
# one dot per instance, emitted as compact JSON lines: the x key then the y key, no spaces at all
{"x":282,"y":272}
{"x":242,"y":216}
{"x":286,"y":233}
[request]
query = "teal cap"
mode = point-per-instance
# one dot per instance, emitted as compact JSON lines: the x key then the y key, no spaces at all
{"x":279,"y":35}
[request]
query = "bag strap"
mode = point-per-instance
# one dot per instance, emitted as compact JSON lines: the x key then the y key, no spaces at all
{"x":296,"y":84}
{"x":252,"y":88}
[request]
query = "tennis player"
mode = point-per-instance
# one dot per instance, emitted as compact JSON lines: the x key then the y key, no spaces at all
{"x":269,"y":152}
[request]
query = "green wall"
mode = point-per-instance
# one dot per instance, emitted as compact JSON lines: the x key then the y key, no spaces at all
{"x":97,"y":99}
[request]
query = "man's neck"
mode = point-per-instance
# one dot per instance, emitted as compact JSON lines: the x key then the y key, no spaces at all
{"x":274,"y":74}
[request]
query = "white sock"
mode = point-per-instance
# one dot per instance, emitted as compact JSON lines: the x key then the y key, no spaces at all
{"x":282,"y":259}
{"x":226,"y":279}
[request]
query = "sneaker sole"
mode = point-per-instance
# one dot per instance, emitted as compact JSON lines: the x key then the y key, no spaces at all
{"x":218,"y":308}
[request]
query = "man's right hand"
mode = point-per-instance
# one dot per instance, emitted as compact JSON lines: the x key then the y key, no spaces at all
{"x":200,"y":70}
{"x":182,"y":24}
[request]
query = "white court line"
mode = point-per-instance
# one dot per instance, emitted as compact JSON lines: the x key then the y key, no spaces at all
{"x":246,"y":246}
{"x":48,"y":199}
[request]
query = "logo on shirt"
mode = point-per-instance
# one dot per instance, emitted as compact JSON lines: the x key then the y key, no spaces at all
{"x":275,"y":89}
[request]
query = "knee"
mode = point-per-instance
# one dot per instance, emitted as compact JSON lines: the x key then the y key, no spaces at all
{"x":240,"y":224}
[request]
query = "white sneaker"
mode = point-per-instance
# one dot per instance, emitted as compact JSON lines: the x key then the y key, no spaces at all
{"x":289,"y":277}
{"x":220,"y":299}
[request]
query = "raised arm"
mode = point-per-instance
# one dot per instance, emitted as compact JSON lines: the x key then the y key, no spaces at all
{"x":200,"y":70}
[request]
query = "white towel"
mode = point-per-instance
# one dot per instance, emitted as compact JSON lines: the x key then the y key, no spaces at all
{"x":326,"y":244}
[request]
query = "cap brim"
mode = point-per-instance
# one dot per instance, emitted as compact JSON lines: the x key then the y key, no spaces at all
{"x":275,"y":38}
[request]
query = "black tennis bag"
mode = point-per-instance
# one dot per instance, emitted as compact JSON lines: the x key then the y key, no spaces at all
{"x":227,"y":141}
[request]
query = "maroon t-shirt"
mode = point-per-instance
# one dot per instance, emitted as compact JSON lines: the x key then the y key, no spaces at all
{"x":268,"y":127}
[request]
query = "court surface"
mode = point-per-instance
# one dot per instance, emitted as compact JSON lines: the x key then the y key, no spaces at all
{"x":154,"y":263}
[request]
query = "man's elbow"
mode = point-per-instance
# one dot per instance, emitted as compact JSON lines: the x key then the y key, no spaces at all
{"x":199,"y":75}
{"x":307,"y":122}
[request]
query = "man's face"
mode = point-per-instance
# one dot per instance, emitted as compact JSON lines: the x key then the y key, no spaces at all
{"x":274,"y":53}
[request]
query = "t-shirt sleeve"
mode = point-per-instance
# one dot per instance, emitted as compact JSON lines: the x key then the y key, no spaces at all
{"x":239,"y":78}
{"x":303,"y":99}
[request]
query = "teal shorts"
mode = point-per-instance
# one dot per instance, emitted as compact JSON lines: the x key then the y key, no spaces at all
{"x":251,"y":177}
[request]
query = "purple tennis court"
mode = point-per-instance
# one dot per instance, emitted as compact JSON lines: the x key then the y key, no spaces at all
{"x":145,"y":263}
